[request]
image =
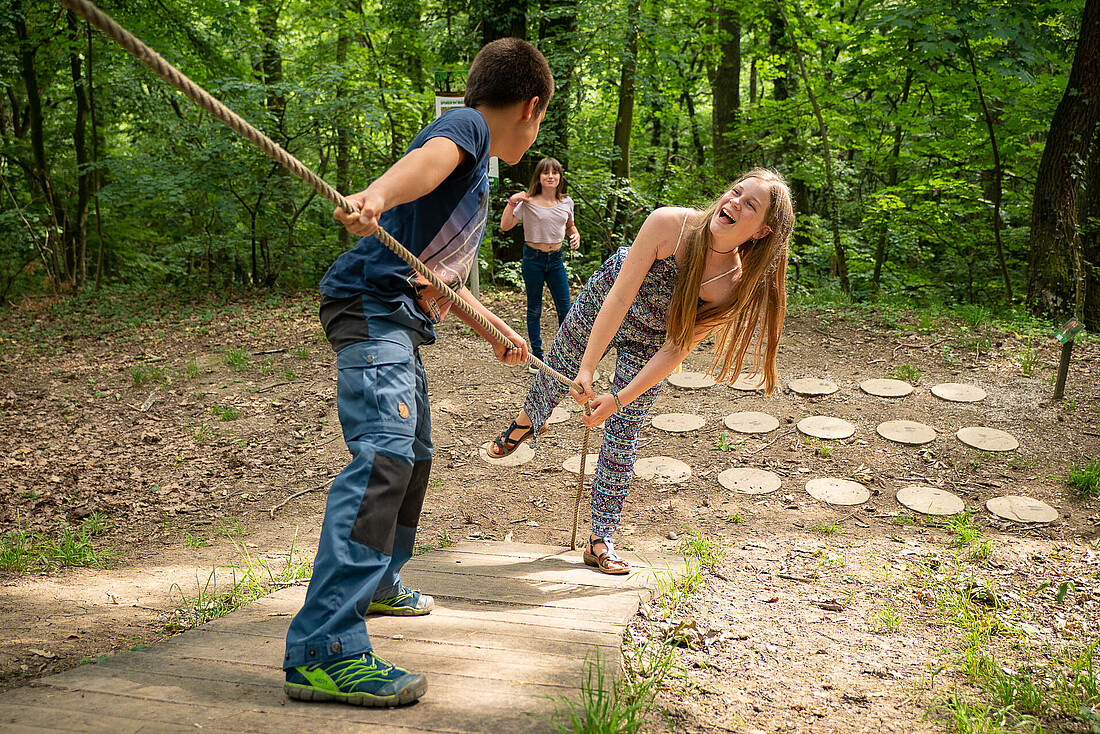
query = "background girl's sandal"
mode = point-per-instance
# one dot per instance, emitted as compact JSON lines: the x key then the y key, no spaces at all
{"x":608,"y":561}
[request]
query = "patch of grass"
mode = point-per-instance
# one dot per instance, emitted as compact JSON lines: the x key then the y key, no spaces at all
{"x":734,"y":519}
{"x":191,"y":369}
{"x":1028,"y":357}
{"x":1083,"y":479}
{"x":249,"y":580}
{"x":302,"y":352}
{"x":24,"y":551}
{"x":903,"y":520}
{"x":148,"y":374}
{"x":194,"y":540}
{"x":203,"y":432}
{"x":227,"y":413}
{"x":723,"y":442}
{"x":824,"y":451}
{"x":707,"y":552}
{"x":906,"y":372}
{"x":887,"y":619}
{"x":607,"y":706}
{"x":445,"y":539}
{"x":237,"y":359}
{"x":825,"y":528}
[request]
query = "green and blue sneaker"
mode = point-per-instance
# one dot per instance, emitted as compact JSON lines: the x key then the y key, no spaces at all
{"x":367,"y":680}
{"x":406,"y":603}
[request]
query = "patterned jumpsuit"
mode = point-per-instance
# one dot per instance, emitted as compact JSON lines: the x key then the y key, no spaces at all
{"x":642,"y":333}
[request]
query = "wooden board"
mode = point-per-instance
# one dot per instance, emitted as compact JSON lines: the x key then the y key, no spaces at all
{"x":886,"y":388}
{"x":837,"y":491}
{"x":907,"y":432}
{"x":957,"y":392}
{"x":929,"y":500}
{"x":987,"y":439}
{"x":511,"y":632}
{"x":678,"y":422}
{"x":1021,"y":509}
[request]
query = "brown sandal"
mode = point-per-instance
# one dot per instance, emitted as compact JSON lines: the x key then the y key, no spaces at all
{"x":608,"y":561}
{"x":505,"y":444}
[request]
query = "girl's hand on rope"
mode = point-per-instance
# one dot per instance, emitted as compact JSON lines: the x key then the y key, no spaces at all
{"x":584,"y":379}
{"x":511,"y":355}
{"x":603,"y":407}
{"x":364,"y":220}
{"x":574,"y":240}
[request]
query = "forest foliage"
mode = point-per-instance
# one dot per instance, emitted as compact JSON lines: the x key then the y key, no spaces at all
{"x":911,"y":133}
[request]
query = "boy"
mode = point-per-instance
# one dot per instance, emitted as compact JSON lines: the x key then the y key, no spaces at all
{"x":376,"y":314}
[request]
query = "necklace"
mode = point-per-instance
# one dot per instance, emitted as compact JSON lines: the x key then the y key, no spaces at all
{"x":722,"y":252}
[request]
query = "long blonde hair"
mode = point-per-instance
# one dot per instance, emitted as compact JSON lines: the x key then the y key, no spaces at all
{"x":756,"y":307}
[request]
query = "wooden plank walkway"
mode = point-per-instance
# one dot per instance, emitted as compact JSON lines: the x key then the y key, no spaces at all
{"x":512,"y":628}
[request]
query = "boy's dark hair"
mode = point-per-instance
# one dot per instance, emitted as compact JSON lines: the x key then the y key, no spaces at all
{"x":508,"y":70}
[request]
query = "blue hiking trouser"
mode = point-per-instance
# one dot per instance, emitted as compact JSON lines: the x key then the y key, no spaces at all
{"x":540,"y":267}
{"x":374,"y":503}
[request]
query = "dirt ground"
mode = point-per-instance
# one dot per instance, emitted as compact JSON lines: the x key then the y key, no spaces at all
{"x":203,"y":462}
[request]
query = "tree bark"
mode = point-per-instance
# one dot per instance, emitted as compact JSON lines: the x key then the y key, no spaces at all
{"x":1055,"y":281}
{"x":726,"y":89}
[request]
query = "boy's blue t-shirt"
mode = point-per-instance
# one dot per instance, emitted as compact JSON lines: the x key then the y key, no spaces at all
{"x":443,"y":228}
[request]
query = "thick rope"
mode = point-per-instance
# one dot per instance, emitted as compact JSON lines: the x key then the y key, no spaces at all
{"x":277,"y":153}
{"x":280,"y":155}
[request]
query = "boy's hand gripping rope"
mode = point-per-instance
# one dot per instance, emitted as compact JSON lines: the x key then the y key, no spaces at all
{"x":276,"y":152}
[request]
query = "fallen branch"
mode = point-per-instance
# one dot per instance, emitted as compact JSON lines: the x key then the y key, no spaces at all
{"x":769,"y":443}
{"x":299,"y":494}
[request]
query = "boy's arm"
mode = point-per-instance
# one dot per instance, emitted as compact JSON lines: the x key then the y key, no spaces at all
{"x":505,"y":355}
{"x":417,"y":173}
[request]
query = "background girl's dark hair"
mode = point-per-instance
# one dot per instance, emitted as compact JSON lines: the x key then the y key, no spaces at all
{"x":552,"y":164}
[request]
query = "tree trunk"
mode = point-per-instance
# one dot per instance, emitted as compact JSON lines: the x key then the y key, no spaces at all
{"x":77,"y":234}
{"x":726,"y":88}
{"x":624,"y":121}
{"x":830,"y":187}
{"x":40,"y":174}
{"x":891,"y":181}
{"x":504,"y":19}
{"x":97,"y":177}
{"x":1090,"y":233}
{"x":1053,"y":284}
{"x":557,"y":39}
{"x":998,"y":189}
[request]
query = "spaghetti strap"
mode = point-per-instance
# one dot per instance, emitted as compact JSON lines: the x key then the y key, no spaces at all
{"x":734,"y":269}
{"x":680,"y":237}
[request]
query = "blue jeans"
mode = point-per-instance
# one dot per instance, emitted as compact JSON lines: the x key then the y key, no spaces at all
{"x":543,"y":267}
{"x":374,"y":503}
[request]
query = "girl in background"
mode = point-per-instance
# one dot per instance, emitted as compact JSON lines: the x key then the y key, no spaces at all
{"x":547,"y":217}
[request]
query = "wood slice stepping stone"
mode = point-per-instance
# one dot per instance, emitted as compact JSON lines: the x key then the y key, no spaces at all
{"x":573,"y":464}
{"x":751,"y":421}
{"x":748,"y":382}
{"x":749,"y":481}
{"x":909,"y":432}
{"x":691,"y":380}
{"x":987,"y":439}
{"x":519,"y":457}
{"x":823,"y":426}
{"x":813,"y":386}
{"x":886,"y":388}
{"x":678,"y":422}
{"x":1021,"y":509}
{"x":560,"y":414}
{"x":929,"y":500}
{"x":957,"y":392}
{"x":837,"y":491}
{"x":662,"y":470}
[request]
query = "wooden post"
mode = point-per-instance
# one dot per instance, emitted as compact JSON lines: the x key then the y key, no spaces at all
{"x":1069,"y":330}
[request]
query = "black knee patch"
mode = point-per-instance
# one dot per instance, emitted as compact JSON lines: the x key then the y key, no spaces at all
{"x":409,"y":514}
{"x":382,"y":501}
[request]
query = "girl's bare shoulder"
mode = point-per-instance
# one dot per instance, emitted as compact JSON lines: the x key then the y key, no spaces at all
{"x":664,"y":225}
